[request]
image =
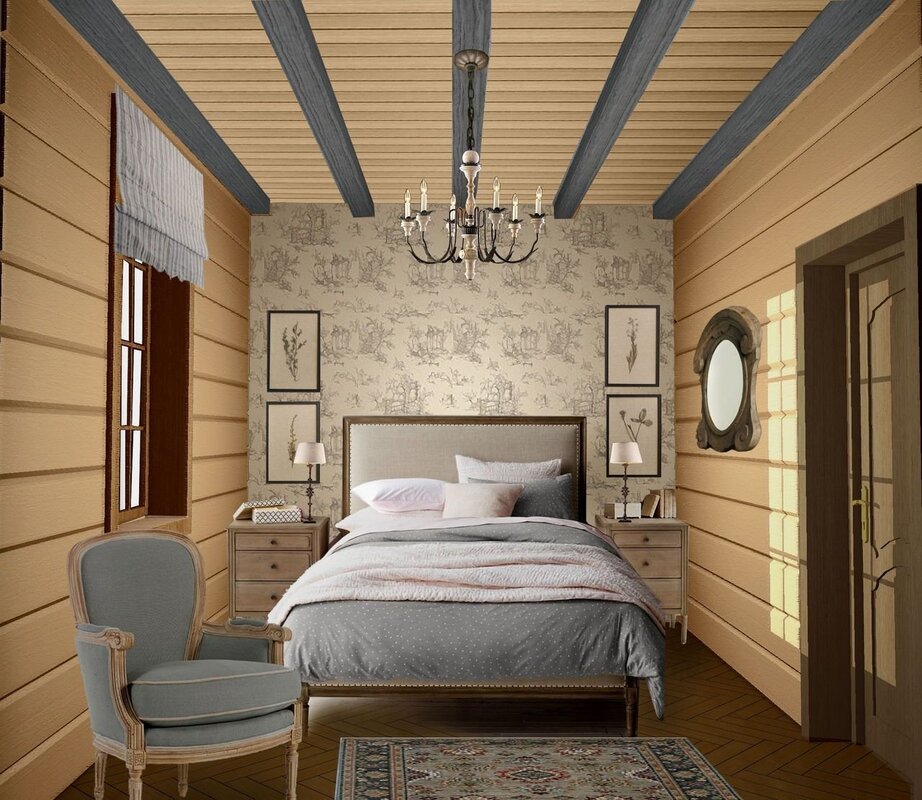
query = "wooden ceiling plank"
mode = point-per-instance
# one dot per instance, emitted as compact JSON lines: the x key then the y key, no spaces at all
{"x":470,"y":21}
{"x":108,"y":32}
{"x":287,"y":27}
{"x":650,"y":34}
{"x":832,"y":31}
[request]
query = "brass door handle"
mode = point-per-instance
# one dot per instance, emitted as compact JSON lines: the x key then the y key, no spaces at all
{"x":865,"y":504}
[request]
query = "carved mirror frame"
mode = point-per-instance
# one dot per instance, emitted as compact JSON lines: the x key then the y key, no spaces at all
{"x":742,"y":328}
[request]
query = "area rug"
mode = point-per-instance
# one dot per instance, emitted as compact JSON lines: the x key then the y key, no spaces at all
{"x":525,"y":769}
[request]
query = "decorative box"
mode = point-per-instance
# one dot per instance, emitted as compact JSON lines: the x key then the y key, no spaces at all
{"x":276,"y":515}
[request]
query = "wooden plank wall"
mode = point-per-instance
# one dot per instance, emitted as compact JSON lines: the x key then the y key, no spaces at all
{"x":52,"y":400}
{"x":853,"y":140}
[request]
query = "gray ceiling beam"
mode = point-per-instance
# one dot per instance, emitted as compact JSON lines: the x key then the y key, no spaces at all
{"x":832,"y":31}
{"x":648,"y":37}
{"x":110,"y":34}
{"x":470,"y":30}
{"x":289,"y":31}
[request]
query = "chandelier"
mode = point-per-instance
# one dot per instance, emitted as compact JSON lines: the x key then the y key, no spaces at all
{"x":478,"y":241}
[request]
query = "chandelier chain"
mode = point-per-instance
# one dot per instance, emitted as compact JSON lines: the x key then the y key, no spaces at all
{"x":470,"y":106}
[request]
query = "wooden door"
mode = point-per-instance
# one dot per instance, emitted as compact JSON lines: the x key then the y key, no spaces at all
{"x":883,"y":378}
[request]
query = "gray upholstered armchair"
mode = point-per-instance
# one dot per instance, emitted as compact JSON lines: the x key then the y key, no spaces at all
{"x":163,"y":686}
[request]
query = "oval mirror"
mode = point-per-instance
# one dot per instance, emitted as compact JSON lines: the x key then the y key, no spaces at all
{"x":724,"y":384}
{"x":726,"y":361}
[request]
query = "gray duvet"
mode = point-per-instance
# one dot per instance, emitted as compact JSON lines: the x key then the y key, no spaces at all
{"x":366,"y":641}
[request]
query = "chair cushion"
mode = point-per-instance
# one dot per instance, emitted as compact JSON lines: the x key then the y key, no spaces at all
{"x":219,"y":732}
{"x":216,"y":690}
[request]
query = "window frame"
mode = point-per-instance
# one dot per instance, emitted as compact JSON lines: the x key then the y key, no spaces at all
{"x":130,"y":512}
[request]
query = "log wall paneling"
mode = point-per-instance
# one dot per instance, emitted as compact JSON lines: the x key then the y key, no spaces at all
{"x":54,"y":254}
{"x":852,"y":141}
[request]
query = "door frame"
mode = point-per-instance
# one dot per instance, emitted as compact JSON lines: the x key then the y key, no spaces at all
{"x":830,"y":708}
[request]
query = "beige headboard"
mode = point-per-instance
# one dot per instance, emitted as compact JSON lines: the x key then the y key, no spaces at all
{"x":425,"y":447}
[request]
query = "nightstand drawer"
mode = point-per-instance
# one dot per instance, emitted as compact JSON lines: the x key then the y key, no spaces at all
{"x":273,"y":541}
{"x":655,"y":562}
{"x":667,"y":591}
{"x":269,"y":565}
{"x":257,"y":596}
{"x":648,"y":539}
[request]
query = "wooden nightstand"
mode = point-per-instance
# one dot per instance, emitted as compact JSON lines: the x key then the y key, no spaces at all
{"x":658,"y":550}
{"x":264,"y":560}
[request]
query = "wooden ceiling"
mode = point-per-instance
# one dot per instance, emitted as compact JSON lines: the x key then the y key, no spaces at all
{"x":390,"y":66}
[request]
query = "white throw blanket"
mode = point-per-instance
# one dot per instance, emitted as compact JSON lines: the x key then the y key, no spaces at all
{"x":481,"y":572}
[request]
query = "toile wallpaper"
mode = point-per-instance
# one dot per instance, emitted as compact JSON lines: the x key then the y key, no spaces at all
{"x":400,"y":338}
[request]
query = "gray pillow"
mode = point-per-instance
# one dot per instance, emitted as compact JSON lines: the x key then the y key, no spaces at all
{"x":548,"y":497}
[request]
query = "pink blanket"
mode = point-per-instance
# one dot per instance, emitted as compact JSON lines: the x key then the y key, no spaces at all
{"x":483,"y":572}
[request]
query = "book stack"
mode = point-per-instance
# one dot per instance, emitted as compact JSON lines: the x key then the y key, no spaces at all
{"x":668,"y":504}
{"x":273,"y":510}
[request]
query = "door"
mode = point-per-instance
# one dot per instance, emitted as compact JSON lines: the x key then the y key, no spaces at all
{"x":883,"y":378}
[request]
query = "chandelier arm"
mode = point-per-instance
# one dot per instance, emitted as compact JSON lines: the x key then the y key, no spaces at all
{"x":510,"y":260}
{"x":428,"y":261}
{"x":435,"y":259}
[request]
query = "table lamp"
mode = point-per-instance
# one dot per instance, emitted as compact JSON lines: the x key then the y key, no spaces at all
{"x":310,"y":453}
{"x":625,"y":454}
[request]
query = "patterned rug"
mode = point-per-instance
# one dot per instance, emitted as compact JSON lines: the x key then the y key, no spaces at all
{"x":526,"y":769}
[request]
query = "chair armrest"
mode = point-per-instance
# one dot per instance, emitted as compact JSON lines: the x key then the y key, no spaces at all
{"x":101,"y":651}
{"x":244,"y":640}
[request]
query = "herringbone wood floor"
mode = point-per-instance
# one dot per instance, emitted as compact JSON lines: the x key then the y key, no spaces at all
{"x":753,"y":744}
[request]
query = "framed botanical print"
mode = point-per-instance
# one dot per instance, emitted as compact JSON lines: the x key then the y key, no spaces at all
{"x":287,"y":423}
{"x":636,"y":418}
{"x":632,"y":345}
{"x":293,"y":351}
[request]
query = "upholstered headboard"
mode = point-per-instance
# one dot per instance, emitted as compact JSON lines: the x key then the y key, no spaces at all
{"x":425,"y":447}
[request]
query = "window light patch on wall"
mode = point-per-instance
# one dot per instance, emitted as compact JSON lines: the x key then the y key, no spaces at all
{"x":783,"y":471}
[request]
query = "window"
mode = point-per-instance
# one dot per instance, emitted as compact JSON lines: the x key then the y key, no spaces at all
{"x":150,"y":368}
{"x":134,"y":362}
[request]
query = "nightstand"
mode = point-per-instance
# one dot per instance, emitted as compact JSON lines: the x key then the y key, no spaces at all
{"x":658,"y":550}
{"x":264,"y":560}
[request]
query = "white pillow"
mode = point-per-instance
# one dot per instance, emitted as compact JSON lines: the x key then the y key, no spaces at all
{"x":505,"y":471}
{"x":480,"y":499}
{"x":381,"y":520}
{"x":402,"y":494}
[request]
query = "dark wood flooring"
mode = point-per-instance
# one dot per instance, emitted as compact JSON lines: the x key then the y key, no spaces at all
{"x":753,"y":744}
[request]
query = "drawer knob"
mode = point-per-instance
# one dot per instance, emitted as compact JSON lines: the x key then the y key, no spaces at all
{"x":273,"y":542}
{"x":646,"y":563}
{"x":273,"y":597}
{"x":272,"y":566}
{"x":646,"y":538}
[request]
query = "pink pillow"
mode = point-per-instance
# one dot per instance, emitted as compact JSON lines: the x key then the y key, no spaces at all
{"x":402,"y":494}
{"x":480,"y":499}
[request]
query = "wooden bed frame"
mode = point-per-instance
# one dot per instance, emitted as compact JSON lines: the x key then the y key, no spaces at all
{"x":398,"y":431}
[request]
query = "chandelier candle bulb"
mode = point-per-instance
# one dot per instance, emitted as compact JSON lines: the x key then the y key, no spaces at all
{"x":515,"y":207}
{"x":423,"y":196}
{"x":406,"y":204}
{"x":496,"y":192}
{"x":539,"y":193}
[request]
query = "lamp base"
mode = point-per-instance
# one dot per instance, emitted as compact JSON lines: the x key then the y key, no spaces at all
{"x":624,"y":519}
{"x":308,"y":521}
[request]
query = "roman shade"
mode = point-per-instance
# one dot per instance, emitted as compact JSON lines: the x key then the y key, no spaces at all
{"x":161,"y":217}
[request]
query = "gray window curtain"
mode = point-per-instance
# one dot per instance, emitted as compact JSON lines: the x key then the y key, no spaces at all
{"x":161,"y":217}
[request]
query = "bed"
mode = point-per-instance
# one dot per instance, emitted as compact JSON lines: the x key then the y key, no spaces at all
{"x":569,"y":646}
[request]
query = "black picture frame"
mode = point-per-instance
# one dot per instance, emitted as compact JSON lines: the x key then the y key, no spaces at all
{"x":614,"y":470}
{"x":313,"y":435}
{"x":273,"y":379}
{"x":610,"y":379}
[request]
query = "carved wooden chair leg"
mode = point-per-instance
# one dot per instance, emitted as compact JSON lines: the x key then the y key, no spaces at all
{"x":99,"y":773}
{"x":291,"y":765}
{"x":134,"y":783}
{"x":183,"y":782}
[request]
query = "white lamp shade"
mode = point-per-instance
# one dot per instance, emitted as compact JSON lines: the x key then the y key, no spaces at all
{"x":625,"y":453}
{"x":310,"y":453}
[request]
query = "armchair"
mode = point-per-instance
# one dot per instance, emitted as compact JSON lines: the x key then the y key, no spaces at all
{"x":162,"y":685}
